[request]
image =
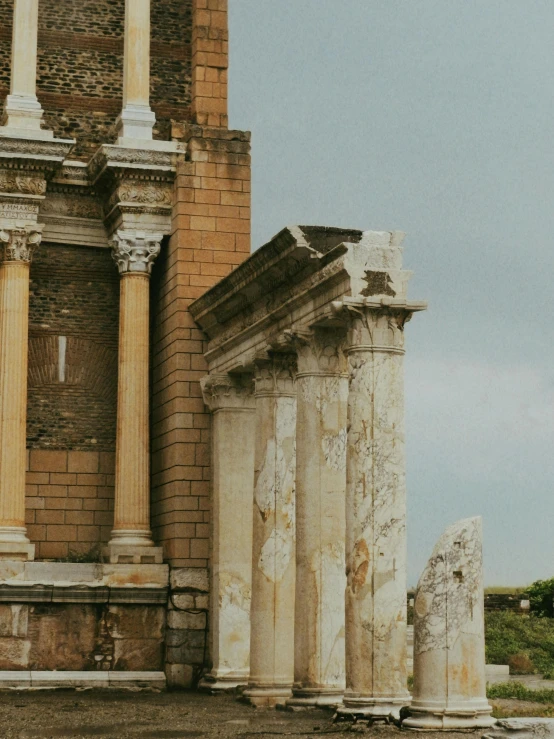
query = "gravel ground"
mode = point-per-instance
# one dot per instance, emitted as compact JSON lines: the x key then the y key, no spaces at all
{"x":126,"y":715}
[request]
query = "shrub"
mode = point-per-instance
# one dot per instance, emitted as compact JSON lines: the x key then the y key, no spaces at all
{"x":526,"y":641}
{"x":519,"y":691}
{"x":541,"y":598}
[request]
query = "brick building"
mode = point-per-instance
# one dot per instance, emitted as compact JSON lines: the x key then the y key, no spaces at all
{"x":114,"y":136}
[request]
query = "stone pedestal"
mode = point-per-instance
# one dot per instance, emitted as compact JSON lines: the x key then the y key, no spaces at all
{"x":131,"y":541}
{"x":231,"y":401}
{"x":22,"y":111}
{"x":322,"y":393}
{"x":273,"y":555}
{"x":137,"y":119}
{"x":375,"y":516}
{"x":17,"y":245}
{"x":449,"y":635}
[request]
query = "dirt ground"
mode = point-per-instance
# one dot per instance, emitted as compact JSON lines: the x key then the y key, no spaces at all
{"x":126,"y":715}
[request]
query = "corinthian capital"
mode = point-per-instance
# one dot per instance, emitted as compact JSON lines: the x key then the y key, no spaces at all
{"x":19,"y":242}
{"x":226,"y":392}
{"x":135,"y":251}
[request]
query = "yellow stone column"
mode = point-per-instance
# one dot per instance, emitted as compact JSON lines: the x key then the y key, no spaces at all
{"x":131,"y":542}
{"x":137,"y":119}
{"x":17,"y":245}
{"x":22,"y":112}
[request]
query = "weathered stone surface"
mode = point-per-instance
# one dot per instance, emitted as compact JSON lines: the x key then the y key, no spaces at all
{"x":190,"y":578}
{"x":138,"y":654}
{"x":14,"y":653}
{"x":14,"y":620}
{"x":521,"y":728}
{"x":137,"y":622}
{"x":62,"y":637}
{"x":449,"y":635}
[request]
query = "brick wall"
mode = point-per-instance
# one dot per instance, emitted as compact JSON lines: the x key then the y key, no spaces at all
{"x":80,"y":65}
{"x":69,"y":504}
{"x":74,"y":294}
{"x":211,"y":235}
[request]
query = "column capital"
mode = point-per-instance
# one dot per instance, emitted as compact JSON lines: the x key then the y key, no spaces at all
{"x":19,"y":242}
{"x":275,"y":375}
{"x":320,"y":351}
{"x":226,"y":392}
{"x":135,"y":251}
{"x":376,"y":329}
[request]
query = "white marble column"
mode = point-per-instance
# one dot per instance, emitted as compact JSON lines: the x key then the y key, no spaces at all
{"x":134,"y":252}
{"x":375,"y":516}
{"x":273,"y":555}
{"x":17,"y":244}
{"x":137,"y":119}
{"x":322,"y":393}
{"x":22,"y":111}
{"x":450,"y":688}
{"x":231,"y":401}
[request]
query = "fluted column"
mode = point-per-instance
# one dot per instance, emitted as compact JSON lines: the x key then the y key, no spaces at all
{"x":231,"y":401}
{"x":22,"y":112}
{"x":322,"y":393}
{"x":273,"y":556}
{"x":376,"y":515}
{"x":134,"y":253}
{"x":17,"y":244}
{"x":137,"y":119}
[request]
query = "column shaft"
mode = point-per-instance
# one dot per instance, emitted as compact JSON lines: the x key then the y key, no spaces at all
{"x":132,"y":471}
{"x":14,"y":328}
{"x":23,"y":112}
{"x":322,"y":392}
{"x":232,"y":403}
{"x":273,"y":555}
{"x":375,"y":519}
{"x":131,"y":539}
{"x":137,"y":119}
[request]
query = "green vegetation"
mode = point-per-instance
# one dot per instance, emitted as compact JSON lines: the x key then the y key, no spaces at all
{"x":526,"y":643}
{"x":541,"y":598}
{"x":520,"y":692}
{"x":499,"y":589}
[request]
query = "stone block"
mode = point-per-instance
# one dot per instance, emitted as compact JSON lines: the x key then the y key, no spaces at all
{"x":121,"y":575}
{"x":138,"y":654}
{"x":179,"y":676}
{"x":83,"y":462}
{"x":43,"y":460}
{"x":190,"y":578}
{"x":14,"y":653}
{"x":63,"y":637}
{"x":13,"y":620}
{"x":124,"y":554}
{"x":184,"y":620}
{"x":136,"y":622}
{"x":182,"y":600}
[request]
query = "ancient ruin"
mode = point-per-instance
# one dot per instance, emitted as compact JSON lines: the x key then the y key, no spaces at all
{"x":449,"y":635}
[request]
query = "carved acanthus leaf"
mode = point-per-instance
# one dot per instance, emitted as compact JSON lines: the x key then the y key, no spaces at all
{"x":135,"y":251}
{"x":19,"y":243}
{"x":13,"y":182}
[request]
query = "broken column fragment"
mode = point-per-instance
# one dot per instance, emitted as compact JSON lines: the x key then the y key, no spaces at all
{"x":449,"y":635}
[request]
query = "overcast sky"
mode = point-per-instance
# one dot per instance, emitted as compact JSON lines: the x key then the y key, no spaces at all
{"x":435,"y":117}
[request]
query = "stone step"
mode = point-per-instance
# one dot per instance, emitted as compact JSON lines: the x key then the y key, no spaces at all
{"x":48,"y":680}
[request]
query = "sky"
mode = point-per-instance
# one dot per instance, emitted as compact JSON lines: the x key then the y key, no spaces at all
{"x":433,"y":117}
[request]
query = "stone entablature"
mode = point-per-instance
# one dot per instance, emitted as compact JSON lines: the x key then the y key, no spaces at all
{"x":316,"y":317}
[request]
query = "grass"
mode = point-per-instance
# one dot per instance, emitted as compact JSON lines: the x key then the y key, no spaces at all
{"x":519,"y":691}
{"x":526,"y":643}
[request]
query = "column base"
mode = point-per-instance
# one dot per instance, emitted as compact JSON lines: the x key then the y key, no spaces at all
{"x":135,"y":124}
{"x":213,"y":684}
{"x":315,"y":698}
{"x":15,"y":545}
{"x":129,"y":546}
{"x":22,"y":118}
{"x":267,"y":697}
{"x":368,"y":707}
{"x":471,"y":715}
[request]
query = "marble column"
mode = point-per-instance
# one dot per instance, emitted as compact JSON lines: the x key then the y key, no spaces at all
{"x":17,"y":244}
{"x":22,"y":111}
{"x":231,"y":401}
{"x":273,"y":555}
{"x":450,"y":689}
{"x":134,"y":253}
{"x":322,"y":394}
{"x":137,"y":119}
{"x":375,"y":516}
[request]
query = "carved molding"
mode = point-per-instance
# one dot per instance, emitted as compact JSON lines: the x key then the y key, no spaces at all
{"x":19,"y":243}
{"x":13,"y":182}
{"x":376,"y":329}
{"x":320,"y":351}
{"x":135,"y":251}
{"x":228,"y":392}
{"x":147,"y":193}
